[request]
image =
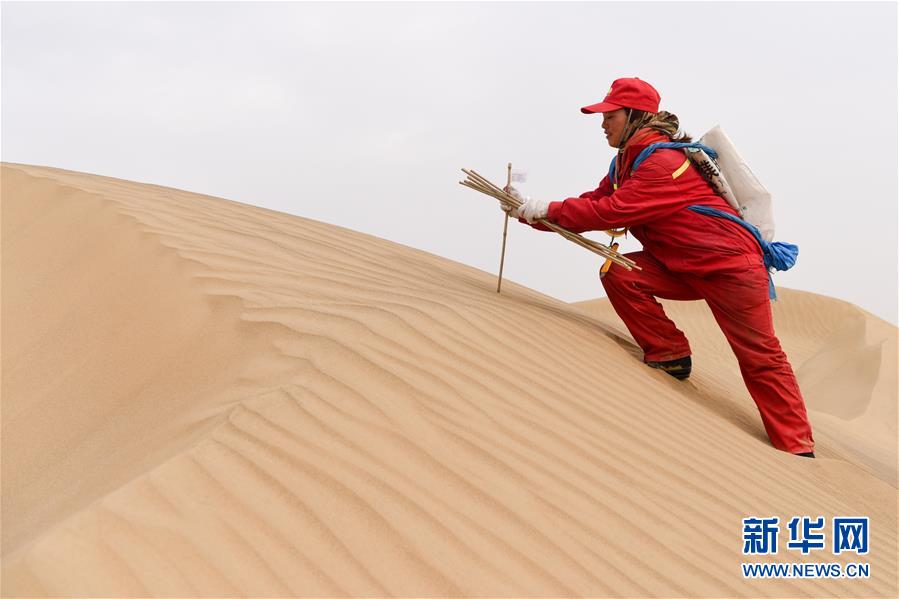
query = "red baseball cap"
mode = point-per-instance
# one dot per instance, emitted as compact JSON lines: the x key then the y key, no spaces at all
{"x":629,"y":92}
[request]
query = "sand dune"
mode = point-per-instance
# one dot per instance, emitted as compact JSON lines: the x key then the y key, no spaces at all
{"x":205,"y":398}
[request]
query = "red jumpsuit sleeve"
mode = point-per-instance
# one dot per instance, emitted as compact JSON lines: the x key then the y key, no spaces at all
{"x":604,"y":189}
{"x":650,"y":194}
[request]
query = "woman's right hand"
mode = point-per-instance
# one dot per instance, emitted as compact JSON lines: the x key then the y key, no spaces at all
{"x":508,"y":208}
{"x":513,"y":192}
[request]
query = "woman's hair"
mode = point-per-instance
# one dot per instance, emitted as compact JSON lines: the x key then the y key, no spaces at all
{"x":663,"y":122}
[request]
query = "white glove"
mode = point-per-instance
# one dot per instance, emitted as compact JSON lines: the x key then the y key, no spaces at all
{"x":508,"y":209}
{"x":514,"y":193}
{"x":533,"y":210}
{"x":513,"y":212}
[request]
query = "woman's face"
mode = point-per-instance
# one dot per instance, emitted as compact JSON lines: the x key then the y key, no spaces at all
{"x":613,"y":124}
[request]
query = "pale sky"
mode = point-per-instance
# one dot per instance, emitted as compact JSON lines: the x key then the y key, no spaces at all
{"x":362,"y":115}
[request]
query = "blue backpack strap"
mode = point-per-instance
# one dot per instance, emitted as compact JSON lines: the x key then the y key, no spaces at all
{"x":612,"y":172}
{"x":778,"y":255}
{"x":674,"y":145}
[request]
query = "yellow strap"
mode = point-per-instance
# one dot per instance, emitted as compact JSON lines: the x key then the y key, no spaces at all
{"x":680,"y":170}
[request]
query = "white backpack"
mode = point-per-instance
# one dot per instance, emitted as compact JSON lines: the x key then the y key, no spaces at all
{"x":733,"y":180}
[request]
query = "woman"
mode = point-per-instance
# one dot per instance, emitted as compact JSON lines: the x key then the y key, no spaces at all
{"x":685,"y":256}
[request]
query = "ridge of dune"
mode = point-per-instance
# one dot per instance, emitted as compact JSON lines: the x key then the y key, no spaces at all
{"x":206,"y":398}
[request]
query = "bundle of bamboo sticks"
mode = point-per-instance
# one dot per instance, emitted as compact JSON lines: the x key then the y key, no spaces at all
{"x":479,"y":183}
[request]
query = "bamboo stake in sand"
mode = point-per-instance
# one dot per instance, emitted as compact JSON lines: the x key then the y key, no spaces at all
{"x":479,"y":183}
{"x":502,"y":256}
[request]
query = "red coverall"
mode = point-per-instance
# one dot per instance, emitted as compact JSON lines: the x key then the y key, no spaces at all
{"x":690,"y":256}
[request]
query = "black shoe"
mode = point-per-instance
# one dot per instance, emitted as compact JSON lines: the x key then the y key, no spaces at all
{"x":807,"y":454}
{"x":679,"y":369}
